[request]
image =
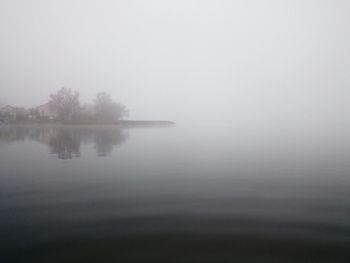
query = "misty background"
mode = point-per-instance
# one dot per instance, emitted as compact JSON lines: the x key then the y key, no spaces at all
{"x":261,"y":64}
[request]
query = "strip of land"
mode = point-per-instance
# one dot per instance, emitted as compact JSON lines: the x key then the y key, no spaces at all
{"x":122,"y":123}
{"x":119,"y":123}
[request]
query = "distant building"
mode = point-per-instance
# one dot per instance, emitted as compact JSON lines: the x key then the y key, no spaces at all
{"x":14,"y":113}
{"x":44,"y":111}
{"x":8,"y":112}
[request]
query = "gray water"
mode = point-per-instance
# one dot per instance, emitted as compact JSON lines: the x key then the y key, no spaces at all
{"x":172,"y":194}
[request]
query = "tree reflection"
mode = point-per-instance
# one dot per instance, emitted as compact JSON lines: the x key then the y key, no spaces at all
{"x":107,"y":139}
{"x":10,"y":134}
{"x":66,"y":142}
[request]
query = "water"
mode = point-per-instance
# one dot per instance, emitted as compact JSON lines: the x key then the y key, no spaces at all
{"x":172,"y":194}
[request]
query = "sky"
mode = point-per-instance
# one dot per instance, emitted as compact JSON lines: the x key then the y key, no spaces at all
{"x":273,"y":63}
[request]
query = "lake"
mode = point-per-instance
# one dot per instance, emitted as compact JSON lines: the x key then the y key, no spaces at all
{"x":172,"y":194}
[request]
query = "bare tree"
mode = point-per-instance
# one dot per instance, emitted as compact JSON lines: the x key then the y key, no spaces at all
{"x":108,"y":110}
{"x":65,"y":103}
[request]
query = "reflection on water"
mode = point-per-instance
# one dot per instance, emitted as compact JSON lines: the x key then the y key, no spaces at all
{"x":171,"y":195}
{"x":65,"y":142}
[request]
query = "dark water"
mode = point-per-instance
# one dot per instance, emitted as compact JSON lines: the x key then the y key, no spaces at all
{"x":172,"y":195}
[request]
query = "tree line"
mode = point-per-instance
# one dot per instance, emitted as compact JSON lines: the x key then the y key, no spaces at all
{"x":65,"y":103}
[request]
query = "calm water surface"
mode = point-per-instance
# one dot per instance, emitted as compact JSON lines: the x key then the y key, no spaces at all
{"x":172,"y":194}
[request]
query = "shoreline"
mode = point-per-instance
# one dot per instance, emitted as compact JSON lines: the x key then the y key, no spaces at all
{"x":120,"y":123}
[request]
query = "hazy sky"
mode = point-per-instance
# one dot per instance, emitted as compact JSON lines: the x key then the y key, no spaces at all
{"x":252,"y":61}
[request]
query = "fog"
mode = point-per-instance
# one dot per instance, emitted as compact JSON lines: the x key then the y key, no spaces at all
{"x":236,"y":148}
{"x":267,"y":64}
